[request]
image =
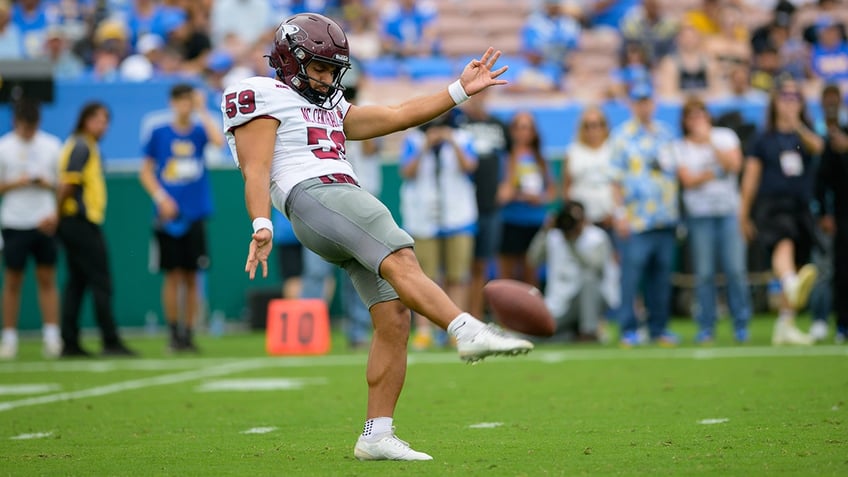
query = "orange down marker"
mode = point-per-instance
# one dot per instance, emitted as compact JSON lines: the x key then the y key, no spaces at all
{"x":297,"y":326}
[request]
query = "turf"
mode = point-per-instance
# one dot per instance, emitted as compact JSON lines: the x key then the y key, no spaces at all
{"x":562,"y":410}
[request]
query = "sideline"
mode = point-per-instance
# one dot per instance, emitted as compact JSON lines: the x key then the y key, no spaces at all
{"x":221,"y":370}
{"x":437,"y":357}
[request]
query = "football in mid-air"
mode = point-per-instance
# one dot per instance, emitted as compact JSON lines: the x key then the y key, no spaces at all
{"x":519,"y":307}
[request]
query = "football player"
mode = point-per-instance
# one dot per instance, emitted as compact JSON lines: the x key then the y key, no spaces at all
{"x":287,"y":135}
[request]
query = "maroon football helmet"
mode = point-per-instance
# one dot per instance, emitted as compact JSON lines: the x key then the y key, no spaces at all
{"x":301,"y":39}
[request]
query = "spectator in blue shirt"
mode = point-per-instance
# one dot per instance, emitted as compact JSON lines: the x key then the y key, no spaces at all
{"x":608,"y":13}
{"x":65,"y":63}
{"x":829,"y":59}
{"x":10,"y":35}
{"x":408,"y":28}
{"x":646,"y":216}
{"x":143,"y":18}
{"x":31,"y":18}
{"x":174,"y":174}
{"x":551,"y":31}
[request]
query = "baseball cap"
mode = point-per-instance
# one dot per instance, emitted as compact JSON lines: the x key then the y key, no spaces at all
{"x":641,"y":90}
{"x":825,"y":21}
{"x":110,"y":30}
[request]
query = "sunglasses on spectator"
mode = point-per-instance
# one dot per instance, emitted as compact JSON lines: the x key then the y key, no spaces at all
{"x":789,"y":96}
{"x":594,"y":124}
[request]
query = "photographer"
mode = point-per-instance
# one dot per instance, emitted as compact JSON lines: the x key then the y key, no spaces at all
{"x":438,"y":207}
{"x":582,"y":275}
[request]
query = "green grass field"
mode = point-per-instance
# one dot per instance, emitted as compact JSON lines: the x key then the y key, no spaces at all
{"x":562,"y":410}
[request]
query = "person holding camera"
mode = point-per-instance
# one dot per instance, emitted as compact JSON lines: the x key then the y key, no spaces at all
{"x":438,"y":205}
{"x":582,"y":276}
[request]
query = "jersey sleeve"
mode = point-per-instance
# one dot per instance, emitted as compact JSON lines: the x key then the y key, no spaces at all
{"x":246,"y":101}
{"x":148,"y":148}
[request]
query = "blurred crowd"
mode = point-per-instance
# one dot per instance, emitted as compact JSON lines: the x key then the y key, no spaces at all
{"x":588,"y":49}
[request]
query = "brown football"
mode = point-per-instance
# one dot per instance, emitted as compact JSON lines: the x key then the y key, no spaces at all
{"x":519,"y":306}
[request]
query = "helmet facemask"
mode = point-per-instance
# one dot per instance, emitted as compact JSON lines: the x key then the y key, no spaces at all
{"x":302,"y":81}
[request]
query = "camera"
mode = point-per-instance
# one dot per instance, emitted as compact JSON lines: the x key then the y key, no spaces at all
{"x":570,"y":217}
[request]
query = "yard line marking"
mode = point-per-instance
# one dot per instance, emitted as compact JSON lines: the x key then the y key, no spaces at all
{"x":485,"y":425}
{"x":34,"y":388}
{"x":718,"y":420}
{"x":224,"y":369}
{"x":447,"y":357}
{"x":110,"y":366}
{"x":259,"y":430}
{"x":259,"y":384}
{"x":32,"y":435}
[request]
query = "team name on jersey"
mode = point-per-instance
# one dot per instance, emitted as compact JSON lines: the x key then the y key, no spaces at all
{"x":322,"y":116}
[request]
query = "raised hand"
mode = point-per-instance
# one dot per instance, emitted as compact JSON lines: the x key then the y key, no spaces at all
{"x":260,"y":249}
{"x":478,"y":75}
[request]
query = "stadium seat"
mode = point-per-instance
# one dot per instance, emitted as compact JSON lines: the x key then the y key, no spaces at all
{"x":383,"y":67}
{"x":432,"y":67}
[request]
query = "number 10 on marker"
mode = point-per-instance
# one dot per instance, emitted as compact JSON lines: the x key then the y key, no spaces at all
{"x":295,"y":327}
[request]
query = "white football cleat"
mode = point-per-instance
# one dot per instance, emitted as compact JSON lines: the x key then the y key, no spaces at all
{"x":51,"y":349}
{"x":491,"y":340}
{"x":819,"y":330}
{"x":799,"y":292}
{"x":387,"y":447}
{"x":8,"y":350}
{"x":786,"y":333}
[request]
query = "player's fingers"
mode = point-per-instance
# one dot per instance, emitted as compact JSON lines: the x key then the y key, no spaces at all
{"x":250,"y":268}
{"x":500,"y":71}
{"x":494,"y":59}
{"x":264,"y":268}
{"x":486,"y":55}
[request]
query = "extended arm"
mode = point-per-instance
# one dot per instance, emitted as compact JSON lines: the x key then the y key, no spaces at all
{"x":365,"y":122}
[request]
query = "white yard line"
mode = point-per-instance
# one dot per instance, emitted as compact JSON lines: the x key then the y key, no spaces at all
{"x":221,"y":370}
{"x":222,"y":366}
{"x":447,"y":357}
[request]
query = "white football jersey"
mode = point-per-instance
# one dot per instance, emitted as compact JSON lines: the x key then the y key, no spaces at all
{"x":310,"y":140}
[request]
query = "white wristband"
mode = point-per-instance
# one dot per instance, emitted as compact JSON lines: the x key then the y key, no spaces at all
{"x":457,"y":92}
{"x":260,"y":223}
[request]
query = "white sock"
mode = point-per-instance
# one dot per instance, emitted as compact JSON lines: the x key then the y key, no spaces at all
{"x":50,"y":332}
{"x":377,"y":426}
{"x":788,"y":281}
{"x":10,"y":336}
{"x":465,"y":326}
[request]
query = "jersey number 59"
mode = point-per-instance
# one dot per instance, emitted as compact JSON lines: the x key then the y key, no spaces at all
{"x":246,"y":100}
